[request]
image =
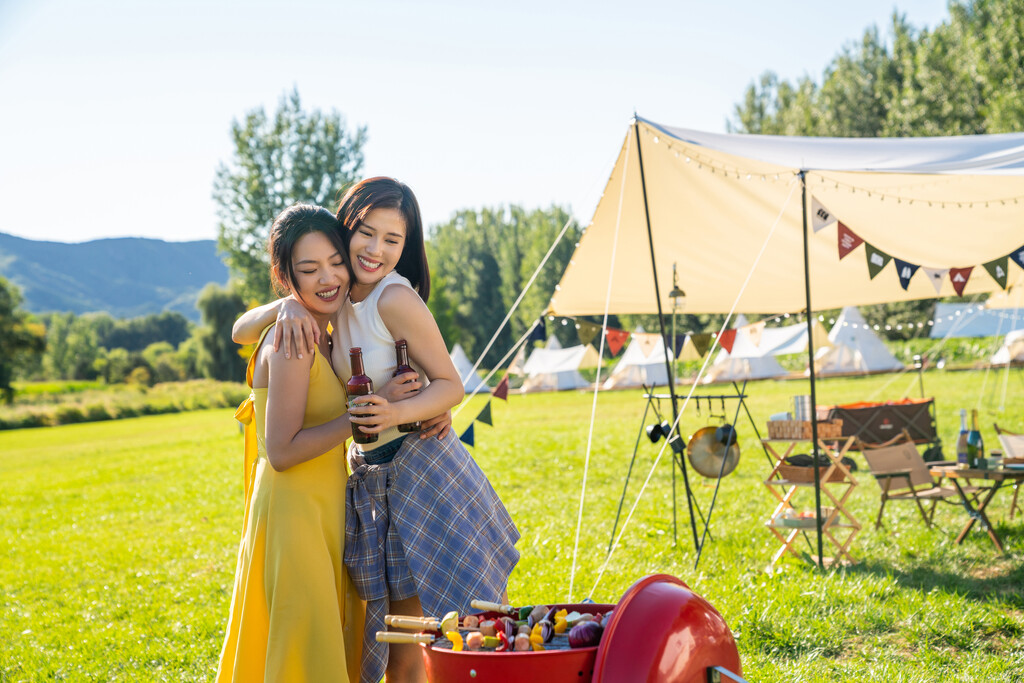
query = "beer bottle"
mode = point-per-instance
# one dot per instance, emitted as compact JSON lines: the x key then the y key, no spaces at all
{"x":359,"y":385}
{"x":402,"y":356}
{"x":975,"y":446}
{"x":961,"y":442}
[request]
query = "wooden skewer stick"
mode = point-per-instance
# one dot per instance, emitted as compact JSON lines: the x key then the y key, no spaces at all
{"x":492,"y":607}
{"x":413,"y":638}
{"x":419,"y":623}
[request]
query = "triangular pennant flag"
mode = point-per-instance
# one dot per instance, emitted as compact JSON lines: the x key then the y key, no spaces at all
{"x":848,"y":241}
{"x":701,"y":342}
{"x":587,"y":331}
{"x":936,"y":276}
{"x":1018,"y":257}
{"x":905,"y":271}
{"x":755,"y":331}
{"x":677,"y":347}
{"x":485,"y":415}
{"x":821,"y":217}
{"x":997,"y":269}
{"x":727,"y":339}
{"x":647,"y":342}
{"x":959,"y":277}
{"x":616,"y":338}
{"x":539,"y":333}
{"x":501,"y":391}
{"x":467,"y":436}
{"x":877,"y":259}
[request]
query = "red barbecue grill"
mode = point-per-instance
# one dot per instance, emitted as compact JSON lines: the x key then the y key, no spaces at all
{"x":660,"y":632}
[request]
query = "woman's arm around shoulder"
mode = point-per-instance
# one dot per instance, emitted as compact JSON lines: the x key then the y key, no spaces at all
{"x":296,"y":328}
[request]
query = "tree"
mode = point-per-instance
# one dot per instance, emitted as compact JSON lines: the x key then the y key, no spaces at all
{"x":72,"y":347}
{"x":294,"y":156}
{"x":20,"y":338}
{"x":217,"y":355}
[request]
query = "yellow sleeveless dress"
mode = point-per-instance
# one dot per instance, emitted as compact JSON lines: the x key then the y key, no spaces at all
{"x":295,"y":615}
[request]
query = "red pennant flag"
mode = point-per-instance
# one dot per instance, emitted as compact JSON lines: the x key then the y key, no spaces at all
{"x":616,"y":338}
{"x":959,"y":277}
{"x":501,"y":391}
{"x":727,"y":338}
{"x":848,"y":241}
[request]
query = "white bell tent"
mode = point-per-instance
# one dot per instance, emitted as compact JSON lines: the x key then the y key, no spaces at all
{"x":747,"y":361}
{"x":856,"y":349}
{"x":470,"y":380}
{"x":1012,"y":350}
{"x":556,"y":369}
{"x":642,"y":363}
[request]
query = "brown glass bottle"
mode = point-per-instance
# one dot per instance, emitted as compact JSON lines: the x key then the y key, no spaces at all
{"x":359,"y":385}
{"x":402,"y":356}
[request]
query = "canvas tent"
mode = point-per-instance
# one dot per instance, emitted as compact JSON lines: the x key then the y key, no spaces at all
{"x":714,"y":199}
{"x":973,"y":320}
{"x":1012,"y":350}
{"x":640,"y":366}
{"x":856,"y":349}
{"x":470,"y":380}
{"x":556,"y":369}
{"x":746,"y":361}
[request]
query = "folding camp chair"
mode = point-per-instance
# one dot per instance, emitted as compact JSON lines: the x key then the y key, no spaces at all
{"x":1013,"y":447}
{"x":902,"y":474}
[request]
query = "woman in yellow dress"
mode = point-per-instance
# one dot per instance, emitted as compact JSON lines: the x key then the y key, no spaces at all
{"x":294,"y":614}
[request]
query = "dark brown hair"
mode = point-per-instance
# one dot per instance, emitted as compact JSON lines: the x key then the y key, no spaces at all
{"x":289,"y":226}
{"x":387,"y":193}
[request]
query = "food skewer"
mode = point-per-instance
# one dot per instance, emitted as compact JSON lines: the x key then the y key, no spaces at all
{"x":493,"y":607}
{"x":449,"y":623}
{"x":403,"y":638}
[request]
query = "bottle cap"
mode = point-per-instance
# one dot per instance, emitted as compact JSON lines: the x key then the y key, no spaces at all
{"x":354,"y":350}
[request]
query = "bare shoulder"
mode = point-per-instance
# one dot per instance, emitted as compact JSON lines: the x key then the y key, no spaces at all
{"x":398,"y":298}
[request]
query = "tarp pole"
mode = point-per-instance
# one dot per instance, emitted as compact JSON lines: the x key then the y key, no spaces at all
{"x":810,"y":364}
{"x":664,"y":336}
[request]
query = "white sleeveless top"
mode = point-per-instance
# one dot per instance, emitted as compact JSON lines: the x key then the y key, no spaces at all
{"x":360,"y":324}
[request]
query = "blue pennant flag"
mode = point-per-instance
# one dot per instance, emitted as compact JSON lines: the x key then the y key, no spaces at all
{"x":1018,"y":257}
{"x":539,"y":333}
{"x":467,"y":436}
{"x":905,"y":271}
{"x":485,"y":415}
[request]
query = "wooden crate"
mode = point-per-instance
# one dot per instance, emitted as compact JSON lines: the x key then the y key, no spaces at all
{"x":797,"y":429}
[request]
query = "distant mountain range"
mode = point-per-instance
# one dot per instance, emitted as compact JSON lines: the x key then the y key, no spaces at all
{"x":126,"y":277}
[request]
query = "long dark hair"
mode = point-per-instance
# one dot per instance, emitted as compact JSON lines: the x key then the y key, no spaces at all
{"x":289,"y":226}
{"x":387,"y":193}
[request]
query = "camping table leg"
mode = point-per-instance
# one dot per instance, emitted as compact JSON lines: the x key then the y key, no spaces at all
{"x":977,"y":514}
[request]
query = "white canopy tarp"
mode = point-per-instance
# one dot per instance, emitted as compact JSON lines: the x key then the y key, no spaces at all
{"x":973,"y":320}
{"x":856,"y":349}
{"x":636,"y":369}
{"x":470,"y":380}
{"x":714,"y":199}
{"x":556,"y":369}
{"x":1012,"y":350}
{"x":729,"y":367}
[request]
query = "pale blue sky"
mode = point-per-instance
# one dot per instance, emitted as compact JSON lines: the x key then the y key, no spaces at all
{"x":115,"y":113}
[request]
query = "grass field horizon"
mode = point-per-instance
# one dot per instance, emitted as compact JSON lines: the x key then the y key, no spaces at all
{"x":120,"y":540}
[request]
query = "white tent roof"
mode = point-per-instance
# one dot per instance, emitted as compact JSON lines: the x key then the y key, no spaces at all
{"x":714,"y":200}
{"x":555,"y":368}
{"x":1012,"y":348}
{"x":635,"y":369}
{"x":470,"y":380}
{"x":973,"y":320}
{"x":728,"y":367}
{"x":775,"y":341}
{"x":855,"y":348}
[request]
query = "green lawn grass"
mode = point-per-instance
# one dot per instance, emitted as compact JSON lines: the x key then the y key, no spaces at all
{"x":119,"y":542}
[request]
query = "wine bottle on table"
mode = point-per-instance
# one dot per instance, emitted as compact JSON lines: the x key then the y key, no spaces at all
{"x":359,"y":385}
{"x":402,"y":356}
{"x":975,"y":446}
{"x":961,"y":442}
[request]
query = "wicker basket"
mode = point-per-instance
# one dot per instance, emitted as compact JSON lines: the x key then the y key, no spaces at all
{"x":796,"y":429}
{"x":806,"y":474}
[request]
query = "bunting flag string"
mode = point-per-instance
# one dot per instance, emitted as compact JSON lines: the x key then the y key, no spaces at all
{"x":877,"y":260}
{"x":616,"y":338}
{"x":501,"y":391}
{"x":467,"y":436}
{"x":485,"y":415}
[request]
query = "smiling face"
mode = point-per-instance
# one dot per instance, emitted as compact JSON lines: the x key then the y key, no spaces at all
{"x":374,"y":248}
{"x":320,"y":277}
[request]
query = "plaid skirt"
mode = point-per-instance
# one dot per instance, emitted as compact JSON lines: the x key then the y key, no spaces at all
{"x":428,"y":523}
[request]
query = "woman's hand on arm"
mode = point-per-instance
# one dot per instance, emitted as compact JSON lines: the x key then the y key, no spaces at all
{"x":296,"y":329}
{"x":437,"y":426}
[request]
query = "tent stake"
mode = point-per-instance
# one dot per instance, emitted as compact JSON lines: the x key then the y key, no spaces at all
{"x":810,"y":363}
{"x":668,"y":363}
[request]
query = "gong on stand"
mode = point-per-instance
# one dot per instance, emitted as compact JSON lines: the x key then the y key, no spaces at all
{"x":713,"y":451}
